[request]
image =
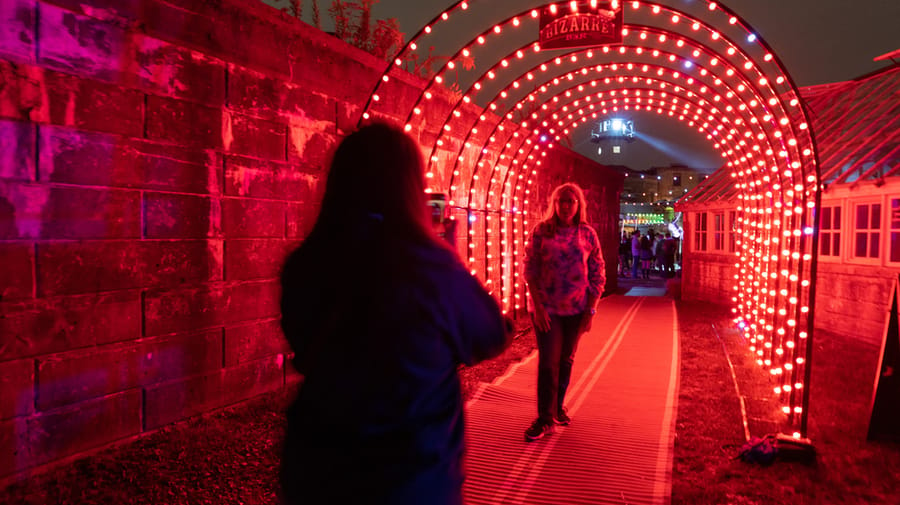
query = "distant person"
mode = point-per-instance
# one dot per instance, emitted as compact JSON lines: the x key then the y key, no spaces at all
{"x":668,"y":248}
{"x":646,"y":254}
{"x":635,"y":253}
{"x":624,"y":255}
{"x":379,"y":314}
{"x":565,"y":273}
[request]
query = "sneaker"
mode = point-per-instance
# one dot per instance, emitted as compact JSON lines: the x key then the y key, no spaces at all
{"x":538,"y":429}
{"x":562,"y":418}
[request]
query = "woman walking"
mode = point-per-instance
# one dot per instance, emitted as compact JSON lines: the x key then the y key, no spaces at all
{"x":565,"y":273}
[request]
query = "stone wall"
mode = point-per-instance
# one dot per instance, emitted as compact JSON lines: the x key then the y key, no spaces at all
{"x":158,"y":159}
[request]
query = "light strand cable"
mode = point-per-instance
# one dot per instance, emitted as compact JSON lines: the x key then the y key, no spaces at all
{"x":737,"y":390}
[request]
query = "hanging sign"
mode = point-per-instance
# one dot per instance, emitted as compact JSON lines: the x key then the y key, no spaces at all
{"x":581,"y":24}
{"x":884,"y":423}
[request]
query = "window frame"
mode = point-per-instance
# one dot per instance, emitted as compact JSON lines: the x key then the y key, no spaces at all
{"x":718,"y":231}
{"x":850,"y":240}
{"x":700,"y":233}
{"x":732,"y":229}
{"x":840,"y":231}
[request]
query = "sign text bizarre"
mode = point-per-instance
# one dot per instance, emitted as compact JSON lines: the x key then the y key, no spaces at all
{"x":581,"y":24}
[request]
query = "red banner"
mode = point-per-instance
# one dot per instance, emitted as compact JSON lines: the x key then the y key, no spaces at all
{"x":581,"y":24}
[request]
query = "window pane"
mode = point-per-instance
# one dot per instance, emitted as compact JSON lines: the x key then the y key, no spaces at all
{"x":895,"y":213}
{"x":895,"y":246}
{"x":861,"y":242}
{"x":874,"y":244}
{"x":837,"y":218}
{"x":826,"y":218}
{"x":836,"y":244}
{"x":876,"y":216}
{"x":826,"y":244}
{"x":862,"y":217}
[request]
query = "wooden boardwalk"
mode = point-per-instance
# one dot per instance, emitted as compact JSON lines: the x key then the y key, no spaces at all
{"x":622,"y":400}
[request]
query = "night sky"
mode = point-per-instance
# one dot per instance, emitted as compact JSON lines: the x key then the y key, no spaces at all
{"x":819,"y":41}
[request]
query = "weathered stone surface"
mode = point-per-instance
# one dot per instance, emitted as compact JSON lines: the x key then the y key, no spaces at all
{"x":98,"y":159}
{"x":269,"y":97}
{"x":247,"y":259}
{"x":254,"y":300}
{"x":92,"y":105}
{"x":254,"y":341}
{"x":300,"y":220}
{"x":165,"y":69}
{"x":80,"y":45}
{"x":187,"y":123}
{"x":168,"y":215}
{"x":16,"y":388}
{"x":37,"y":211}
{"x":18,"y":19}
{"x":29,"y":441}
{"x":169,"y":402}
{"x":252,"y":218}
{"x":265,"y":179}
{"x":310,"y":148}
{"x":17,"y":150}
{"x":96,"y":266}
{"x":257,"y":137}
{"x":79,"y":375}
{"x":180,"y":310}
{"x":17,"y":272}
{"x":45,"y":326}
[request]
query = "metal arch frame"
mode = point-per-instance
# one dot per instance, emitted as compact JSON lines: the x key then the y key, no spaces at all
{"x":799,"y":160}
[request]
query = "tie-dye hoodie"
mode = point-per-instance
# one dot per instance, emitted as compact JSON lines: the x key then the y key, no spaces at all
{"x":565,"y":267}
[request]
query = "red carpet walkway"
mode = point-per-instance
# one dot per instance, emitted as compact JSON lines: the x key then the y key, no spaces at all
{"x":622,"y":400}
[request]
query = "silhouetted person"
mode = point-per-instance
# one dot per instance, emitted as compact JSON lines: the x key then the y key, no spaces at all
{"x":380,"y":313}
{"x":668,"y":248}
{"x":565,"y":275}
{"x":635,"y":253}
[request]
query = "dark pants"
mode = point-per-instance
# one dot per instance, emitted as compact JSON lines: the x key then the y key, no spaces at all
{"x":556,"y":353}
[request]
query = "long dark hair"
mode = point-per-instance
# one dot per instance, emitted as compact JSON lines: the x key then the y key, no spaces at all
{"x":373,"y":215}
{"x":377,"y":177}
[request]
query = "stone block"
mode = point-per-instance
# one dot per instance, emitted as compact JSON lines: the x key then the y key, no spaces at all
{"x":253,"y":300}
{"x":253,"y":378}
{"x":257,"y":137}
{"x":98,"y":159}
{"x":269,"y":97}
{"x":37,"y":211}
{"x":310,"y":148}
{"x":165,"y":69}
{"x":17,"y":150}
{"x":172,"y":401}
{"x":81,"y":45}
{"x":96,"y":266}
{"x":92,"y":105}
{"x":183,"y":310}
{"x":253,"y":178}
{"x":254,"y":341}
{"x":247,"y":259}
{"x":79,"y":375}
{"x":16,"y":388}
{"x":26,"y":442}
{"x":300,"y":220}
{"x":252,"y":218}
{"x":17,"y":273}
{"x":186,"y":123}
{"x":45,"y":326}
{"x":168,"y":215}
{"x":18,"y":22}
{"x":172,"y":263}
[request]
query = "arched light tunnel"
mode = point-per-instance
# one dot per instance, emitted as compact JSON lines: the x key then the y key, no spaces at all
{"x":695,"y":62}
